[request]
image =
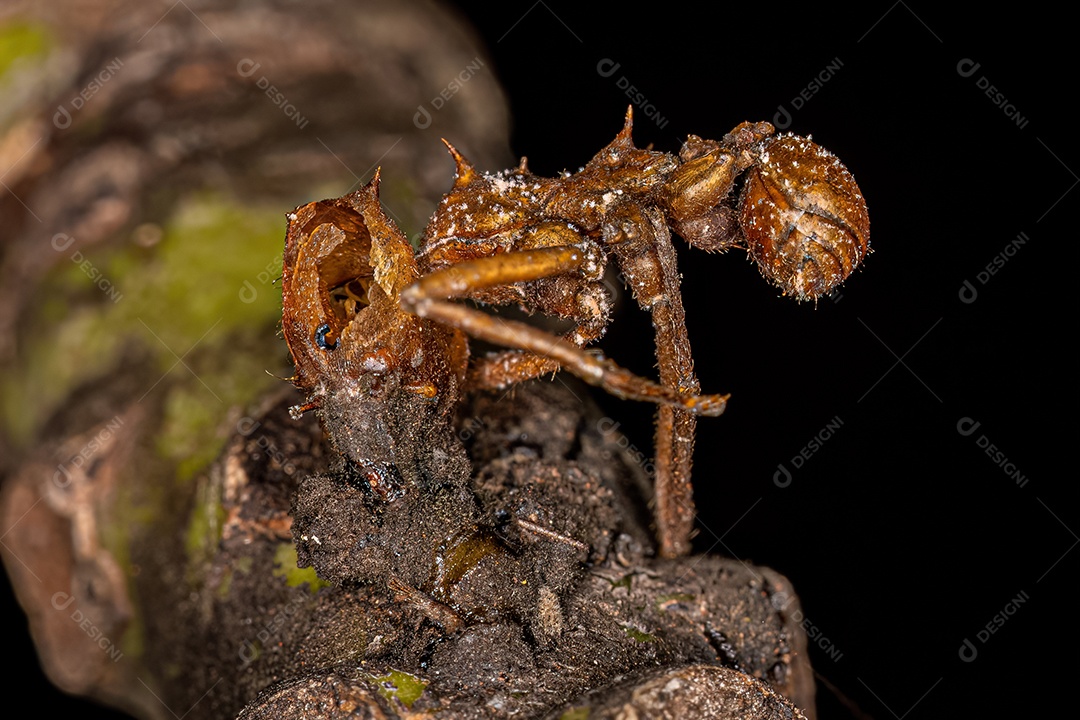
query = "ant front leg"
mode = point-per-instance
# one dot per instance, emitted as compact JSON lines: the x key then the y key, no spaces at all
{"x":431,"y":296}
{"x":641,"y":241}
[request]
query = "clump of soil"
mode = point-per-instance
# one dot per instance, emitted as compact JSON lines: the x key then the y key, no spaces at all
{"x":532,"y":592}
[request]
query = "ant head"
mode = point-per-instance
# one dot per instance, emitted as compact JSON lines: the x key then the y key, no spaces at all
{"x":354,"y":349}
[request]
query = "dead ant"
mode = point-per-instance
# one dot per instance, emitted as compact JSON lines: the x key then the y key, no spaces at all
{"x":380,"y":346}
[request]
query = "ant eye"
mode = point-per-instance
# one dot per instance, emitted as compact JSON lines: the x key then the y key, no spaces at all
{"x":321,"y":339}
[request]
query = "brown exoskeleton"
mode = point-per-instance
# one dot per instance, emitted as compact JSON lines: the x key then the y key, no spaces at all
{"x":543,"y":244}
{"x":381,"y":348}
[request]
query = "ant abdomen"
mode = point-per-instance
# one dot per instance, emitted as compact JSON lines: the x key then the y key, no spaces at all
{"x":803,"y":217}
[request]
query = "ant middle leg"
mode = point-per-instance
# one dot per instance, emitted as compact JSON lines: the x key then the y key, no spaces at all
{"x":641,"y":241}
{"x":589,"y":307}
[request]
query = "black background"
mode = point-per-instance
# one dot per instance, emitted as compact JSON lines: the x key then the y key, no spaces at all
{"x":901,"y":535}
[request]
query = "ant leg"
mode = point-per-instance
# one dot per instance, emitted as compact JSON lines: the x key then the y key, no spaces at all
{"x":430,"y":297}
{"x":443,"y":615}
{"x":499,"y":371}
{"x":646,"y":256}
